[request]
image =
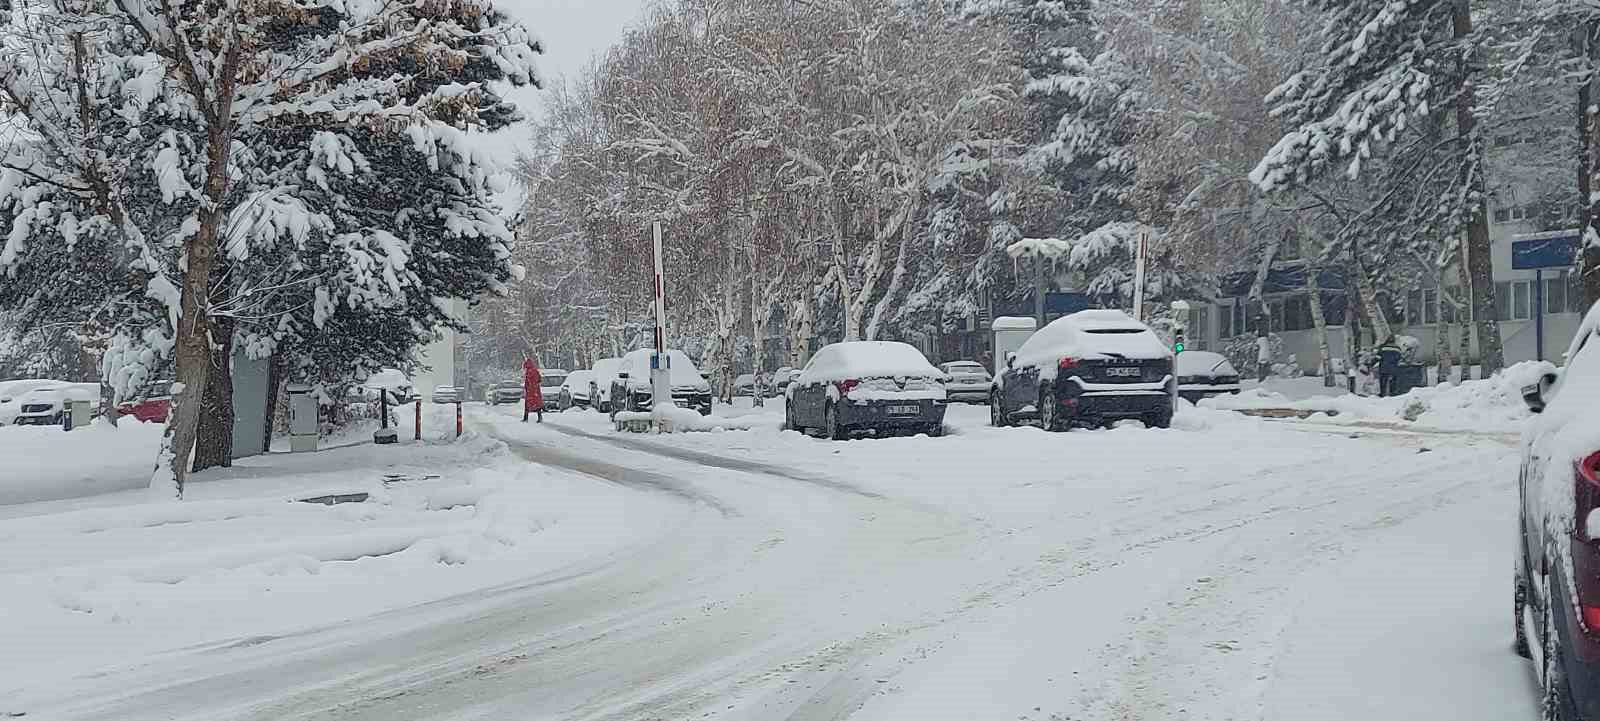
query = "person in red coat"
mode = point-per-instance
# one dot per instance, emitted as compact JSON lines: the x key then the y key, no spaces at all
{"x":532,"y":397}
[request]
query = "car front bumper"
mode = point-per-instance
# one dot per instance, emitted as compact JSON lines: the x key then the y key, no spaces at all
{"x":967,"y":393}
{"x":39,"y":419}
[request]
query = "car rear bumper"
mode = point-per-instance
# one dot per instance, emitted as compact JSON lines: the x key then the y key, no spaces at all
{"x":876,"y":414}
{"x":1111,"y":404}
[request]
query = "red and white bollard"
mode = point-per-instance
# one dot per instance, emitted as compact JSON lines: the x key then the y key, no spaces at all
{"x":458,"y":419}
{"x":419,"y":419}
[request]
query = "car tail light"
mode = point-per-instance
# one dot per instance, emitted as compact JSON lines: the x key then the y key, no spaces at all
{"x":1067,"y":364}
{"x":1589,"y":468}
{"x":846,"y":386}
{"x":1586,"y":554}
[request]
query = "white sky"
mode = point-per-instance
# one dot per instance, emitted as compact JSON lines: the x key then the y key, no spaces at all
{"x":572,"y":32}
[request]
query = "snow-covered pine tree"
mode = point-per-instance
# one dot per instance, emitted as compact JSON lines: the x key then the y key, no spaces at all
{"x":355,"y":85}
{"x":1396,"y":81}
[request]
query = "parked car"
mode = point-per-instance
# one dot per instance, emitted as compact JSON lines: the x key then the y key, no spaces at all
{"x":745,"y":385}
{"x":968,"y":381}
{"x":550,"y":382}
{"x":782,"y":378}
{"x":605,"y":372}
{"x":1202,"y":374}
{"x":153,"y":405}
{"x":867,"y":386}
{"x":1089,"y":368}
{"x":47,"y":406}
{"x":576,"y":390}
{"x":446,"y":394}
{"x":12,"y":392}
{"x":630,"y":390}
{"x":506,"y":391}
{"x":1556,"y":586}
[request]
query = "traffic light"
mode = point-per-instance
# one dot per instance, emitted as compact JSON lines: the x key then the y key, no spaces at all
{"x":1177,"y":340}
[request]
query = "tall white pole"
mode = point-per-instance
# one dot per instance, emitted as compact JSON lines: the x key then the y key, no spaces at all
{"x":660,"y":373}
{"x":1138,"y":275}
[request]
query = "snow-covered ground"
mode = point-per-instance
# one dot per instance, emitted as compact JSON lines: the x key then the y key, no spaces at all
{"x":1228,"y":568}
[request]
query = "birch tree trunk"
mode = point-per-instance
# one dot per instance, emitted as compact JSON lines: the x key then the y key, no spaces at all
{"x":1314,"y":288}
{"x":1258,"y":286}
{"x":1588,"y":40}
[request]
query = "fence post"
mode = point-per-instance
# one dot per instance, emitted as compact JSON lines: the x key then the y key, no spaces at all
{"x":419,"y":419}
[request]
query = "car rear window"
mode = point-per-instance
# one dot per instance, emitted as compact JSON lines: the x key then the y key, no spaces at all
{"x":1114,"y":331}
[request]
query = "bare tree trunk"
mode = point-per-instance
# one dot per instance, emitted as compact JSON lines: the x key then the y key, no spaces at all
{"x":1258,"y":286}
{"x":1479,"y":261}
{"x":1589,"y":167}
{"x":214,"y":442}
{"x":274,"y":382}
{"x":1314,"y":289}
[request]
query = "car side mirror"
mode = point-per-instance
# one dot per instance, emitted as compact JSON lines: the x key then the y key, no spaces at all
{"x":1011,"y":359}
{"x":623,"y":375}
{"x":1536,"y":395}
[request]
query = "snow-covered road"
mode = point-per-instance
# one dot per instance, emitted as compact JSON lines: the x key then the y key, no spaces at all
{"x":1231,"y":568}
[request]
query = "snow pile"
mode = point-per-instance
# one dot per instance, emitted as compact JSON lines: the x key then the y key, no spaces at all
{"x":1491,"y":405}
{"x":44,"y":462}
{"x":688,"y":419}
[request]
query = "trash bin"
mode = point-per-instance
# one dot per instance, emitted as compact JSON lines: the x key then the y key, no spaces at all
{"x":1408,"y":376}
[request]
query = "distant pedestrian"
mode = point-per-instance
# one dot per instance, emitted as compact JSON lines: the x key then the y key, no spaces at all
{"x":1388,"y":366}
{"x":1263,"y":356}
{"x":532,"y":396}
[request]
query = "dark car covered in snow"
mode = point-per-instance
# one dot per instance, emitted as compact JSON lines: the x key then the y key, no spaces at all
{"x":876,"y":387}
{"x":1089,"y":368}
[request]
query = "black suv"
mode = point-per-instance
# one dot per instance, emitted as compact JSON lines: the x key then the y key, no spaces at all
{"x":1556,"y":590}
{"x":1090,"y":368}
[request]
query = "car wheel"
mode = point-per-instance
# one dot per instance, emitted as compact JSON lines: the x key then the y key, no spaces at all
{"x":1557,"y":704}
{"x":835,"y":430}
{"x":1162,"y":419}
{"x":998,"y":417}
{"x":1050,"y":413}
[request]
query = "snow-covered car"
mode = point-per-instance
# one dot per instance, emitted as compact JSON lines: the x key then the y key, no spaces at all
{"x":1202,"y":374}
{"x":576,"y":390}
{"x":47,"y":406}
{"x":605,"y":372}
{"x":153,"y":404}
{"x":630,"y":390}
{"x":744,"y":385}
{"x":782,"y":378}
{"x":967,"y":381}
{"x":506,"y":391}
{"x":867,"y":386}
{"x":550,"y":382}
{"x":1556,"y":588}
{"x":1089,"y":368}
{"x":11,"y":393}
{"x":446,"y":394}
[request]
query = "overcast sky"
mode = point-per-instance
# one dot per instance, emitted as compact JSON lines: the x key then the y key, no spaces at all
{"x":572,"y":31}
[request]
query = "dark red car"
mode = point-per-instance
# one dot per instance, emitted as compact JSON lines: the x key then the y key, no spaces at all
{"x":152,"y":408}
{"x":1556,"y":591}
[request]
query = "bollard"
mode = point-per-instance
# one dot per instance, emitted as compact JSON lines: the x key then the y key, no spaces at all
{"x":458,"y":419}
{"x":419,"y":419}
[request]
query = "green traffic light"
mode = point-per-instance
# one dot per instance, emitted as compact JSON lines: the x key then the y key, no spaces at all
{"x":1177,"y":347}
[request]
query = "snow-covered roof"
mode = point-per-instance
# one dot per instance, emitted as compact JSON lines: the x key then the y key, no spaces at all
{"x":579,"y":379}
{"x":856,"y":360}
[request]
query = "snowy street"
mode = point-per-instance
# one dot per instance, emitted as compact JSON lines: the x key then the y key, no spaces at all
{"x":1228,"y":568}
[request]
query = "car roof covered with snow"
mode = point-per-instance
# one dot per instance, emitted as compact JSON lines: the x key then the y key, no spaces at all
{"x":1091,"y":334}
{"x":1203,"y":362}
{"x":855,"y":360}
{"x":13,"y":389}
{"x":684,"y":372}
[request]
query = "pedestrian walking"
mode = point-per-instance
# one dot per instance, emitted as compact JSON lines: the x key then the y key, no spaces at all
{"x":532,"y":396}
{"x":1388,"y":366}
{"x":1263,"y":356}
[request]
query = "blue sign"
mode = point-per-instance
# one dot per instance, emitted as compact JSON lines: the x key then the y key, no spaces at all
{"x":1066,"y":303}
{"x":1545,"y":250}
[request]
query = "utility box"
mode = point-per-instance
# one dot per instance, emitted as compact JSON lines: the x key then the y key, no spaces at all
{"x":76,"y":413}
{"x":1010,"y":332}
{"x":303,"y":421}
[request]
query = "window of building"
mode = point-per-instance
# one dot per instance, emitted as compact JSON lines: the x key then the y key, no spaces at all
{"x":1276,"y":310}
{"x":1555,"y":294}
{"x":1225,"y":322}
{"x":1414,"y":308}
{"x":1449,"y":301}
{"x":1199,"y":327}
{"x":1575,"y":292}
{"x":1430,"y":305}
{"x":1520,"y":294}
{"x":1297,"y":313}
{"x":1511,"y":214}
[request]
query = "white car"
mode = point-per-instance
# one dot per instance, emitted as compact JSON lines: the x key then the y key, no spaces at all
{"x":605,"y":371}
{"x":446,"y":394}
{"x":550,"y":382}
{"x":11,"y":393}
{"x":631,"y":391}
{"x":1202,"y":374}
{"x":967,"y":381}
{"x":47,"y":406}
{"x":576,"y":391}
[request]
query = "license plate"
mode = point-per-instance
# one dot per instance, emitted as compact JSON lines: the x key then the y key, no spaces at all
{"x":904,"y":410}
{"x":1129,"y":372}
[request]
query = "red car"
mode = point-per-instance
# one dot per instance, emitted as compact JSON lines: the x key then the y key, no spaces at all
{"x":154,"y":407}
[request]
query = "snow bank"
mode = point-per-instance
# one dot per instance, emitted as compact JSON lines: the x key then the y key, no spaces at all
{"x":44,"y":462}
{"x":1490,"y":405}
